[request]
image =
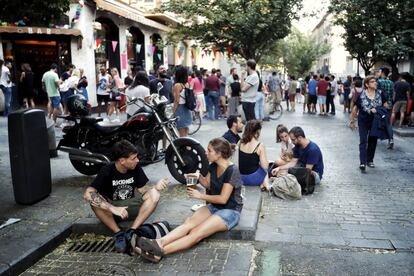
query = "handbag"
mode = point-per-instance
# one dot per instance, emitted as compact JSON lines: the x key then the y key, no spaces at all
{"x":305,"y":179}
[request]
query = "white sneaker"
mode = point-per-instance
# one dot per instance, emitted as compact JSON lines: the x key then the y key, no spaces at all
{"x":106,"y":120}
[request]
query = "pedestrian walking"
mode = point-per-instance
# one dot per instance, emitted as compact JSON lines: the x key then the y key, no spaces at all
{"x":234,"y":96}
{"x":116,"y":86}
{"x":223,"y":98}
{"x":26,"y":86}
{"x":367,"y":104}
{"x":198,"y":88}
{"x":293,"y":84}
{"x":313,"y":83}
{"x":138,"y":89}
{"x":321,"y":91}
{"x":6,"y":85}
{"x":212,"y":85}
{"x":330,"y":95}
{"x":402,"y":94}
{"x":249,"y":87}
{"x":305,"y":92}
{"x":259,"y":105}
{"x":347,"y":94}
{"x":50,"y":83}
{"x":386,"y":86}
{"x":179,"y":108}
{"x":275,"y":89}
{"x":162,"y":85}
{"x":102,"y":91}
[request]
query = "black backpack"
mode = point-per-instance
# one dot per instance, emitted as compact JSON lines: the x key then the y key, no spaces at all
{"x":305,"y":179}
{"x":190,"y":100}
{"x":155,"y":230}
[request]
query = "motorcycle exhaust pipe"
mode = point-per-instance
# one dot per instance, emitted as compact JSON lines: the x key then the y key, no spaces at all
{"x":85,"y":155}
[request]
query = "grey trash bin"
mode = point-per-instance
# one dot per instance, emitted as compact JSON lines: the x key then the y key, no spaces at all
{"x":29,"y":155}
{"x":50,"y":125}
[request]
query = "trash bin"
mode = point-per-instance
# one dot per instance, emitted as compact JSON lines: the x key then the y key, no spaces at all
{"x":50,"y":125}
{"x":29,"y":155}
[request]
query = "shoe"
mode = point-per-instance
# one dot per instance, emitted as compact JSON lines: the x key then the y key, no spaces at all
{"x":371,"y":164}
{"x":120,"y":242}
{"x":390,"y":145}
{"x":116,"y":120}
{"x":362,"y":167}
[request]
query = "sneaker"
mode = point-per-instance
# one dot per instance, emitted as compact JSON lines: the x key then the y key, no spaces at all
{"x":390,"y":145}
{"x":362,"y":167}
{"x":120,"y":242}
{"x":371,"y":164}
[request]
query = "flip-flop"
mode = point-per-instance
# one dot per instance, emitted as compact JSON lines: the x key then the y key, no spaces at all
{"x":146,"y":255}
{"x":150,"y":246}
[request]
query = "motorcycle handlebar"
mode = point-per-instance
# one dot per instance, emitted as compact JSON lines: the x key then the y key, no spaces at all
{"x":134,"y":101}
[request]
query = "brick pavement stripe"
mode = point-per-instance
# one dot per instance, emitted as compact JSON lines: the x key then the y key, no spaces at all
{"x":369,"y":243}
{"x":403,"y":244}
{"x":324,"y":239}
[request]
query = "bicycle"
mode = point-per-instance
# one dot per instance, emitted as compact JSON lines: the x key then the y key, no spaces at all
{"x":274,"y":109}
{"x":195,"y":123}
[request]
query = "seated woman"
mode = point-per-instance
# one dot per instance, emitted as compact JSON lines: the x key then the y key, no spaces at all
{"x":282,"y":136}
{"x":253,"y":162}
{"x":222,"y":212}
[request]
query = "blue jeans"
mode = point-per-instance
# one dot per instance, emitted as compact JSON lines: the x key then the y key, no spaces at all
{"x":229,"y":216}
{"x":7,"y":99}
{"x":367,"y":143}
{"x":213,"y":111}
{"x":259,"y":106}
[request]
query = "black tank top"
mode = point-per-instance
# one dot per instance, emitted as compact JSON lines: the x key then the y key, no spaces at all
{"x":249,"y":162}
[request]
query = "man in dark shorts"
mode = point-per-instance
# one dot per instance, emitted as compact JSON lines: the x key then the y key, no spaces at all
{"x":112,"y":193}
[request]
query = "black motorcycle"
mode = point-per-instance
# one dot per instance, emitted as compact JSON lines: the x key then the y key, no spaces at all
{"x":89,"y":142}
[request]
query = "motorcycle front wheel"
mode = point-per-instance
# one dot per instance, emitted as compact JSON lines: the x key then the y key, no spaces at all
{"x":194,"y":157}
{"x":86,"y":168}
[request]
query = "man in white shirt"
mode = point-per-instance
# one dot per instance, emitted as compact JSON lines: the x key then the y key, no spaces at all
{"x":249,"y":87}
{"x":330,"y":98}
{"x":5,"y":85}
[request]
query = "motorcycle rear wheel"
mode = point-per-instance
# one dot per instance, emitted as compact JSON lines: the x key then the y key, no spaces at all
{"x":85,"y":168}
{"x":195,"y":159}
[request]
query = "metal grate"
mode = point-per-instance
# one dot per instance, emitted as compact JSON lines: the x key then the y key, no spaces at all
{"x":104,"y":246}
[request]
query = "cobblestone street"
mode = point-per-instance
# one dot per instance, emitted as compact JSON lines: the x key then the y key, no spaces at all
{"x":364,"y":220}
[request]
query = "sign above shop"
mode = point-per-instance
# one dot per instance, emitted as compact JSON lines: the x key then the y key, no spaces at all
{"x":39,"y":31}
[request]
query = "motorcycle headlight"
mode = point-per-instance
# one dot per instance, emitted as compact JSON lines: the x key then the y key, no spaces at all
{"x":168,"y":111}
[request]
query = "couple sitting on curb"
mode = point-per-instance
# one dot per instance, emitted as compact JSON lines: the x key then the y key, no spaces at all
{"x":116,"y":183}
{"x":252,"y":159}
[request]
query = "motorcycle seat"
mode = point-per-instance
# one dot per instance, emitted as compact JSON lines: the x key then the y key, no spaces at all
{"x":91,"y":120}
{"x":107,"y":128}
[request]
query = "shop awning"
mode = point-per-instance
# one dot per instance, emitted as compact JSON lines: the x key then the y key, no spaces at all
{"x":39,"y":31}
{"x":129,"y":12}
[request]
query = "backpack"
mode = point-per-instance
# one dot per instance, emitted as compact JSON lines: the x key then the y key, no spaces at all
{"x":155,"y":230}
{"x":286,"y":187}
{"x":190,"y":100}
{"x":305,"y":178}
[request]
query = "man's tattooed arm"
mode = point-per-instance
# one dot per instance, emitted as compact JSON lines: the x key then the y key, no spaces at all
{"x":96,"y":200}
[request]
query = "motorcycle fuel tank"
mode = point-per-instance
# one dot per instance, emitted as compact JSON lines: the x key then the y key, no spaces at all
{"x":140,"y":121}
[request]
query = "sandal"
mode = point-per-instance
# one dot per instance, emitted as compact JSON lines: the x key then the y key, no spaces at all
{"x":150,"y":246}
{"x":146,"y":255}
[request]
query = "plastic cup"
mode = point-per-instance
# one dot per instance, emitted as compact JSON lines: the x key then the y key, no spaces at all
{"x":191,"y":181}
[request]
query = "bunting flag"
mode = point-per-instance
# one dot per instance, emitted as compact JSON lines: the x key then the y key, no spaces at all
{"x":192,"y":54}
{"x":159,"y":57}
{"x":138,"y":48}
{"x":182,"y":49}
{"x":202,"y":55}
{"x":214,"y":51}
{"x":179,"y":53}
{"x":114,"y":44}
{"x":153,"y":49}
{"x":98,"y":42}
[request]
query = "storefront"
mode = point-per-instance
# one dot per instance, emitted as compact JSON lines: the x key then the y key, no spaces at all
{"x":39,"y":47}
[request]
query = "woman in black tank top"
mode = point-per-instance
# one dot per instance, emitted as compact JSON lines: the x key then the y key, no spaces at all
{"x":253,"y":163}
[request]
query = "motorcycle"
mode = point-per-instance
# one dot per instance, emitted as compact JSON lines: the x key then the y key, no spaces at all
{"x":89,"y":142}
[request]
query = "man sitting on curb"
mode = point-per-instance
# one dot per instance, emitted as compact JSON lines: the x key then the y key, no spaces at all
{"x":235,"y":125}
{"x":112,"y":193}
{"x":305,"y":154}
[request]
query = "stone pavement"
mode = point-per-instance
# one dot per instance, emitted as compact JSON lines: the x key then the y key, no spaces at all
{"x":360,"y":218}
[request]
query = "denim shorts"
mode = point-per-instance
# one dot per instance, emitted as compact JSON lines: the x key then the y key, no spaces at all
{"x":254,"y":179}
{"x":321,"y":99}
{"x":229,"y":216}
{"x":55,"y":101}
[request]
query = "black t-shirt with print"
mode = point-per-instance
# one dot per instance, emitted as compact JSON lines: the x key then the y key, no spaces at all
{"x":119,"y":186}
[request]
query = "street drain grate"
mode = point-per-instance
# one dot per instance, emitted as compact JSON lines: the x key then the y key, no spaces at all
{"x":105,"y":246}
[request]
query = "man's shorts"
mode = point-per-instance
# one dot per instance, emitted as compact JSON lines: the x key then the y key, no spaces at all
{"x":222,"y":100}
{"x":102,"y":98}
{"x":321,"y":99}
{"x":133,"y":205}
{"x":229,"y":216}
{"x":55,"y":101}
{"x":312,"y":99}
{"x":400,"y":106}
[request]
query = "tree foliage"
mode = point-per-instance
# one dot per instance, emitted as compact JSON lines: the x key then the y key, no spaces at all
{"x":244,"y":27}
{"x":39,"y":12}
{"x":297,"y":53}
{"x":380,"y":30}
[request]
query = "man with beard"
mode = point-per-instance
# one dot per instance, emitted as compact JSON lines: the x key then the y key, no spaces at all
{"x":119,"y":191}
{"x":306,"y":154}
{"x":235,"y":125}
{"x":167,"y":84}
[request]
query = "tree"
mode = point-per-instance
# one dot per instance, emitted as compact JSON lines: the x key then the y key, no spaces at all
{"x":38,"y":12}
{"x":298,"y":52}
{"x":243,"y":27}
{"x":380,"y":30}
